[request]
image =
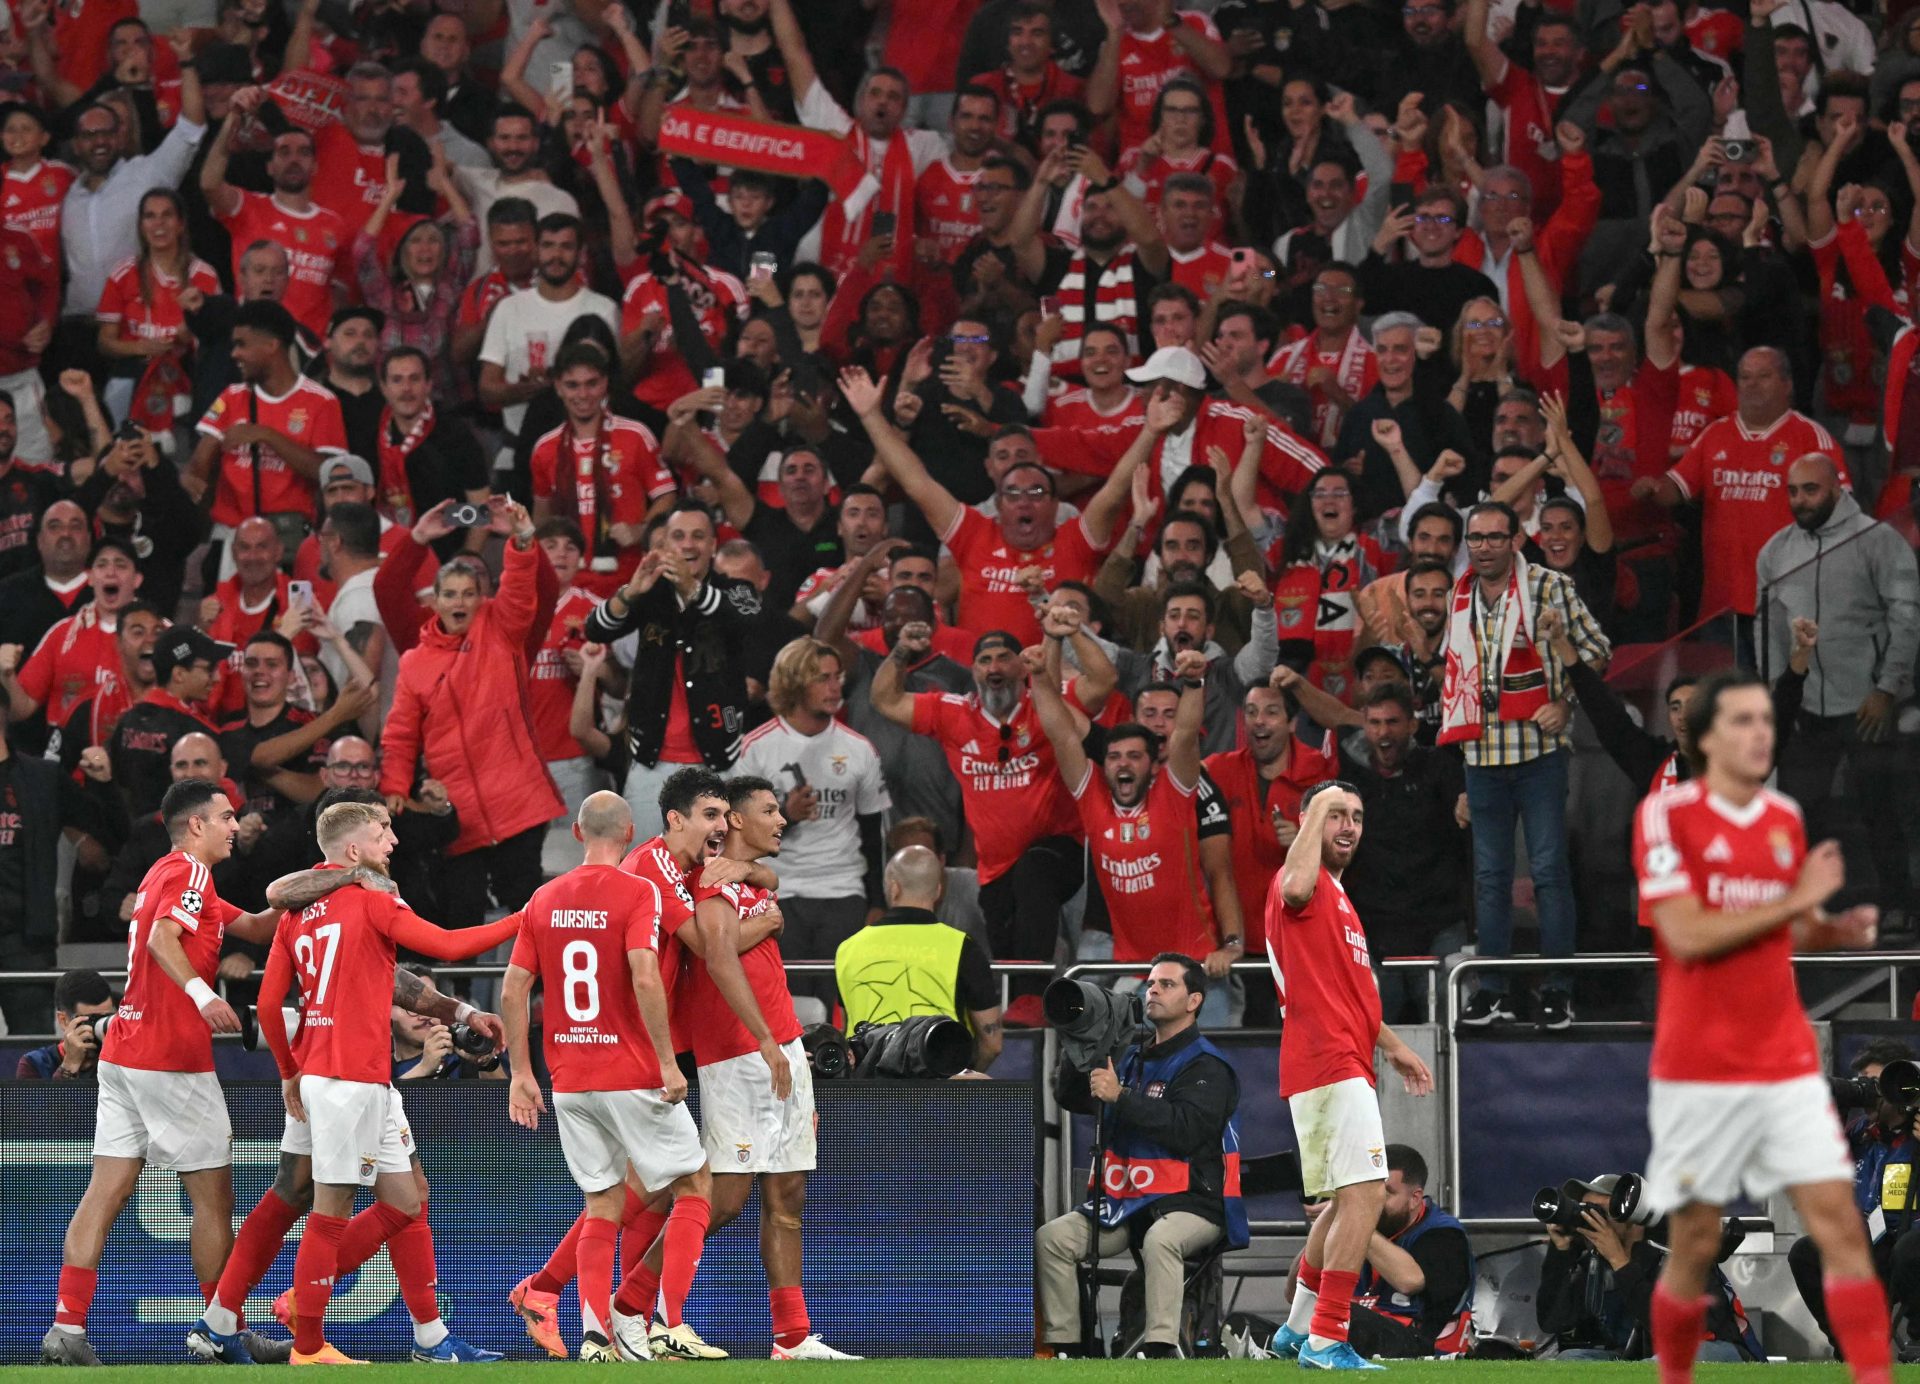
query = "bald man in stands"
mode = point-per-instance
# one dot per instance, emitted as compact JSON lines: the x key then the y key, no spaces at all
{"x":907,"y":962}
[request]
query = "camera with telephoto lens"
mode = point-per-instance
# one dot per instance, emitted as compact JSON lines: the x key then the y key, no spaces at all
{"x":927,"y":1045}
{"x":1563,"y":1207}
{"x":1898,"y":1084}
{"x":829,"y":1054}
{"x":1095,"y":1025}
{"x":474,"y":1045}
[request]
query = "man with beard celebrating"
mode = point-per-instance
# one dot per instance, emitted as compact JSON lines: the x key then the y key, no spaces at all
{"x":1025,"y":827}
{"x":1332,"y":1010}
{"x":1142,"y":831}
{"x":1186,"y":625}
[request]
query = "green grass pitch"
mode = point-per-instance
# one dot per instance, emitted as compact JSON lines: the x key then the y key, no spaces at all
{"x":1021,"y":1372}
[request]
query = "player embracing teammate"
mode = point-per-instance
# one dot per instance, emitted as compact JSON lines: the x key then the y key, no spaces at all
{"x":1737,"y":1097}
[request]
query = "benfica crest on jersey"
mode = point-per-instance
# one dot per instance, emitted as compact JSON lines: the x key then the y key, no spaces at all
{"x":1782,"y":848}
{"x":296,"y":422}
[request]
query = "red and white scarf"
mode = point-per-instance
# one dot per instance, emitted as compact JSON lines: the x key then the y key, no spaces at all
{"x":1292,"y":363}
{"x":1521,"y":683}
{"x":396,"y":492}
{"x":847,"y":223}
{"x":1114,"y":303}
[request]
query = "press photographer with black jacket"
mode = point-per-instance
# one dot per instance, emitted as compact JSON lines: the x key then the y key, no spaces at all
{"x":1167,"y":1117}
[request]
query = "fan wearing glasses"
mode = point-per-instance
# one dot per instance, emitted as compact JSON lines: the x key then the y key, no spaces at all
{"x":1429,"y":283}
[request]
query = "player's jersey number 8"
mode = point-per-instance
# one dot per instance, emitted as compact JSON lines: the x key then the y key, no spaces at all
{"x":581,"y":989}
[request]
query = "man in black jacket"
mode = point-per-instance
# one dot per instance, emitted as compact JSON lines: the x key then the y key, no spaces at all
{"x":687,"y":696}
{"x":1170,"y":1103}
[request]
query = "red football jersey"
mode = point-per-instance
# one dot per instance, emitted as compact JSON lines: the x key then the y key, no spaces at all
{"x":623,"y":459}
{"x":1328,"y":999}
{"x":1009,"y":779}
{"x":1075,"y":409}
{"x":348,"y":178}
{"x":74,"y":659}
{"x":1706,"y":396}
{"x":1201,"y":271}
{"x":550,"y":685}
{"x":1251,"y":803}
{"x":1148,"y":859}
{"x":342,"y":949}
{"x":314,"y":240}
{"x":150,"y":313}
{"x":1147,"y":63}
{"x":991,"y":597}
{"x":1153,"y":170}
{"x":717,"y":1031}
{"x":1531,"y":111}
{"x":654,"y":860}
{"x":1355,"y":369}
{"x":30,"y":203}
{"x":1688,"y":841}
{"x":577,"y":933}
{"x":944,"y":209}
{"x":157,"y":1027}
{"x":308,"y":413}
{"x":718,"y":301}
{"x":1739,"y":478}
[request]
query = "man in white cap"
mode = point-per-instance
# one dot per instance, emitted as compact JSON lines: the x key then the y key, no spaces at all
{"x":1287,"y":464}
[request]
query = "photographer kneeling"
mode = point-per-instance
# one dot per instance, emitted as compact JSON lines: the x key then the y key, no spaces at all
{"x":1170,"y":1180}
{"x":1885,"y":1137}
{"x":1596,"y":1285}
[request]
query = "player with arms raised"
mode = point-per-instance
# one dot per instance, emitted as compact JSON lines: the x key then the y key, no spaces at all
{"x":618,"y":1095}
{"x":160,"y":1104}
{"x":1737,"y":1098}
{"x":1317,"y":947}
{"x":337,"y":1073}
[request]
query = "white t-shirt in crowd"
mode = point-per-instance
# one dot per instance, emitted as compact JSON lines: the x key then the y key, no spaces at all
{"x":820,"y":859}
{"x":526,"y":330}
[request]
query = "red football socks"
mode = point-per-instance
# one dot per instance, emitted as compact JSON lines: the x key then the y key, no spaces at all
{"x":314,"y":1268}
{"x":562,"y":1264}
{"x":362,"y":1239}
{"x":640,"y":1227}
{"x":1309,"y":1275}
{"x":1335,"y":1307}
{"x":1857,"y":1311}
{"x":262,"y":1234}
{"x":76,"y":1296}
{"x":1678,"y":1326}
{"x":686,"y":1233}
{"x":597,"y":1252}
{"x":790,"y":1324}
{"x":411,"y":1247}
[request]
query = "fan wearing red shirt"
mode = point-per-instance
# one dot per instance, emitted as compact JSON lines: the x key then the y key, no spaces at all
{"x":994,"y":555}
{"x":336,"y":1073}
{"x":313,"y":237}
{"x":945,"y":213}
{"x":1031,"y":79}
{"x":35,"y":188}
{"x":160,"y":1102}
{"x":717,"y":298}
{"x":618,"y":1095}
{"x":552,"y":679}
{"x":1736,"y":470}
{"x":351,"y":154}
{"x":1143,"y":835}
{"x":600,"y":471}
{"x":1737,"y":1101}
{"x":1529,"y":97}
{"x":1330,"y":1005}
{"x":1188,"y":214}
{"x":1151,"y":45}
{"x":756,"y":1090}
{"x":79,"y":655}
{"x":269,"y":433}
{"x":1025,"y":826}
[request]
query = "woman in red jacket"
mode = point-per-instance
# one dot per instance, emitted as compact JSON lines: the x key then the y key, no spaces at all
{"x":461,"y":705}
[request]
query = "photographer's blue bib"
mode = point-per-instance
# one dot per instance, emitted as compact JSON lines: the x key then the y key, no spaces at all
{"x":1410,"y":1309}
{"x":1138,"y":1172}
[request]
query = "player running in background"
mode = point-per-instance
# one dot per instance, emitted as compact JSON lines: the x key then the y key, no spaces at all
{"x":1738,"y":1099}
{"x":160,"y":1103}
{"x":756,"y":1112}
{"x":339,"y":1078}
{"x":1331,"y":1007}
{"x":618,"y":1095}
{"x":693,"y":804}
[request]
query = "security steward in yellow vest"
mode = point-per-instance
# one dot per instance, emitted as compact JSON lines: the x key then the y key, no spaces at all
{"x":907,"y":962}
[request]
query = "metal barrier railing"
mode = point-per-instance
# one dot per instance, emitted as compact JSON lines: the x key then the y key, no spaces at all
{"x":1469,"y":967}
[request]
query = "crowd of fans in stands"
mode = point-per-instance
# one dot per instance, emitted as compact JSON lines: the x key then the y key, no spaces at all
{"x":1185,"y":407}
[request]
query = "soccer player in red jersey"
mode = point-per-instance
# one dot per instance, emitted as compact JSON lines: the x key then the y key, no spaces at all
{"x":160,"y":1103}
{"x":757,"y":1116}
{"x":1737,"y":1098}
{"x":1143,"y":835}
{"x":1331,"y":1006}
{"x":693,"y":803}
{"x":337,"y":1075}
{"x":618,"y":1094}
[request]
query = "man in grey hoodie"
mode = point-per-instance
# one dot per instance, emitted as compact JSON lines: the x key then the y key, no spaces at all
{"x":1857,"y":578}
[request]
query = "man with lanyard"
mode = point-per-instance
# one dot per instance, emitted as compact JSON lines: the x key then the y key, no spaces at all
{"x":1170,"y":1178}
{"x":1415,"y":1296}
